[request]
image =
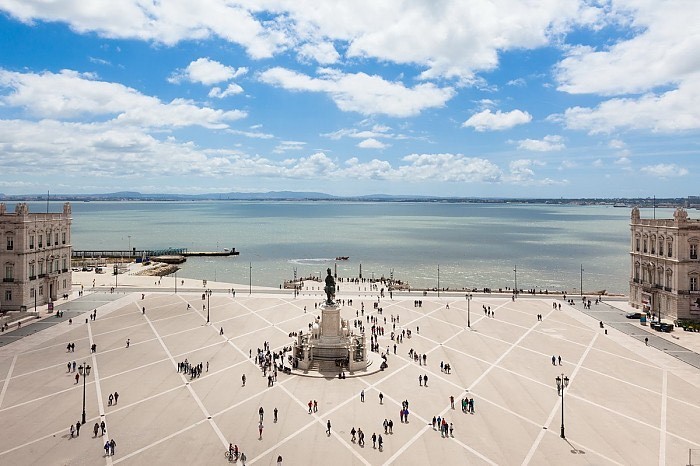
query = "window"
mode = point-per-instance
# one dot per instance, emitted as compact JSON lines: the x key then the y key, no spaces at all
{"x":694,"y":284}
{"x":10,"y":243}
{"x":55,"y":265}
{"x":64,"y":284}
{"x":661,"y":247}
{"x":669,"y":248}
{"x":48,"y":238}
{"x":63,"y":237}
{"x":637,"y":241}
{"x":636,"y":271}
{"x":669,"y":277}
{"x":8,"y":295}
{"x":41,"y":241}
{"x":31,"y":241}
{"x":41,"y":268}
{"x":65,"y":267}
{"x":9,"y":269}
{"x":32,"y":292}
{"x":693,"y":250}
{"x":41,"y":290}
{"x":645,"y":246}
{"x":55,"y":239}
{"x":32,"y":270}
{"x":653,"y":244}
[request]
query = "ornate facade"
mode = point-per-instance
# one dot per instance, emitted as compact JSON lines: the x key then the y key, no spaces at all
{"x":665,"y":265}
{"x":35,"y":255}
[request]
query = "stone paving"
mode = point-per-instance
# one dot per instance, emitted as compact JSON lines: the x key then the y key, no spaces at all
{"x":626,"y":403}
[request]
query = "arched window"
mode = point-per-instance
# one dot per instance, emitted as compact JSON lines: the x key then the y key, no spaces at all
{"x":669,"y":279}
{"x":661,"y":245}
{"x":653,"y":244}
{"x":669,"y":246}
{"x":636,"y":271}
{"x":693,"y":247}
{"x":10,"y":241}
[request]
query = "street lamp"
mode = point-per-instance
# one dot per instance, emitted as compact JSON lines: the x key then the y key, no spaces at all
{"x":562,"y":383}
{"x":208,"y":293}
{"x":515,"y":290}
{"x":250,"y":278}
{"x":84,"y":371}
{"x":469,"y":302}
{"x":438,"y":277}
{"x":581,"y":279}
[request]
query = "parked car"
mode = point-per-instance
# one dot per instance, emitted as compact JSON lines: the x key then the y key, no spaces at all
{"x":662,"y":327}
{"x":634,"y":315}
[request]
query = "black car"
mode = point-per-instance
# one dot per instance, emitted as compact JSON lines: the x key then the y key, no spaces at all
{"x":634,"y":315}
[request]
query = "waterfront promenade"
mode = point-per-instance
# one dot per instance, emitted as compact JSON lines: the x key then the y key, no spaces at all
{"x":626,"y":403}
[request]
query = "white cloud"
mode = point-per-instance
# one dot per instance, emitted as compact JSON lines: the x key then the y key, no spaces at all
{"x":285,"y":146}
{"x":231,"y":89}
{"x":376,"y":132}
{"x":323,"y":52}
{"x":362,"y":93}
{"x":71,"y":95}
{"x":489,"y":121}
{"x":654,"y":72}
{"x":665,"y":170}
{"x":448,"y":39}
{"x":206,"y":71}
{"x":448,"y":167}
{"x":546,"y":144}
{"x":371,"y":143}
{"x":616,"y":144}
{"x":519,"y":82}
{"x":671,"y":111}
{"x":251,"y":134}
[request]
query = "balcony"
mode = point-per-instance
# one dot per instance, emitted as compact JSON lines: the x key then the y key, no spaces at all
{"x":8,"y":280}
{"x":636,"y":280}
{"x":64,"y":270}
{"x":32,"y":277}
{"x":668,"y":288}
{"x":42,"y":275}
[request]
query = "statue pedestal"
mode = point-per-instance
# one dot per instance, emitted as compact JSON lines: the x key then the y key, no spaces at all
{"x":330,"y":321}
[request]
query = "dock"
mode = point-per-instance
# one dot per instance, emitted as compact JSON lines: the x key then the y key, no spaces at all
{"x":141,"y":253}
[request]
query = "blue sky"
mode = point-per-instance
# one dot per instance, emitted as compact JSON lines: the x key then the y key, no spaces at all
{"x":549,"y":98}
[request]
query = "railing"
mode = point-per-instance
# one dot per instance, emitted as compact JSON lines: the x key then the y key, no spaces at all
{"x":32,"y":277}
{"x":668,"y":288}
{"x":8,"y":280}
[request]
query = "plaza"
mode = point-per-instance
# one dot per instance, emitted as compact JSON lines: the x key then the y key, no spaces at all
{"x":626,"y":403}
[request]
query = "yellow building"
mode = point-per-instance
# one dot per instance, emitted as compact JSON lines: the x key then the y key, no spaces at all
{"x":35,"y":254}
{"x":665,"y":265}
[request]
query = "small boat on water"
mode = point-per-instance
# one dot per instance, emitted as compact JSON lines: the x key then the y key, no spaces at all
{"x":342,"y":258}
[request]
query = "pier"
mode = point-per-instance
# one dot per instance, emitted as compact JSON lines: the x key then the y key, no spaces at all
{"x":139,"y":253}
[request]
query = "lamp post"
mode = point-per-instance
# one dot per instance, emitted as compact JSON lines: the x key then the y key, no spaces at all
{"x":438,"y":287}
{"x":581,"y":279}
{"x":515,"y":290}
{"x":250,"y":278}
{"x":562,"y":383}
{"x":84,"y":371}
{"x":208,"y":293}
{"x":469,"y":302}
{"x":116,"y":274}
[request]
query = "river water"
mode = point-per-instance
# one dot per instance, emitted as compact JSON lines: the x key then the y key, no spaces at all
{"x":471,"y":245}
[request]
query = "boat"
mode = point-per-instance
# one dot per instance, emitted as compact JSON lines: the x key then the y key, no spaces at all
{"x":342,"y":258}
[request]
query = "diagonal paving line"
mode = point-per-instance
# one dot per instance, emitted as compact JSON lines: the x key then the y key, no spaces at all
{"x":7,"y":379}
{"x":662,"y":424}
{"x":189,"y":388}
{"x":100,"y":403}
{"x":550,"y":418}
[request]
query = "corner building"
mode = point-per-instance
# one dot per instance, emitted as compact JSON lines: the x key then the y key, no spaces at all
{"x":35,"y":254}
{"x":665,"y":265}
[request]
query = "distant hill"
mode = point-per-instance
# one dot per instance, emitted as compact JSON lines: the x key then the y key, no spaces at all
{"x":316,"y":196}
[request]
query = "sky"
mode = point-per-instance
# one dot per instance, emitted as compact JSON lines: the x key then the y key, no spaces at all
{"x":473,"y":98}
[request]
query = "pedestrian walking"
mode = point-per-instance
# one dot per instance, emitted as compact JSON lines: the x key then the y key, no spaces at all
{"x":279,"y":460}
{"x":72,"y":431}
{"x":102,"y":427}
{"x":374,"y":440}
{"x":128,"y":342}
{"x":362,"y":396}
{"x":77,"y":376}
{"x":243,"y":458}
{"x":261,"y":412}
{"x":381,"y":398}
{"x":380,"y":441}
{"x":107,"y":448}
{"x":554,"y":359}
{"x":328,"y":427}
{"x":420,"y":380}
{"x":111,"y":399}
{"x":116,"y":397}
{"x":425,"y":380}
{"x":243,"y":379}
{"x":452,"y":402}
{"x":96,"y":428}
{"x":311,"y":404}
{"x":646,"y":341}
{"x":315,"y":406}
{"x":112,"y":444}
{"x":221,"y":332}
{"x":353,"y":432}
{"x":260,"y":429}
{"x":559,"y":360}
{"x":275,"y":414}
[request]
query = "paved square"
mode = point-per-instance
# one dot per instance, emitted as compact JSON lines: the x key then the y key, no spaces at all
{"x":626,"y":403}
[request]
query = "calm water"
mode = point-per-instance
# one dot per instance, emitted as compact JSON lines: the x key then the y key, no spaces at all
{"x":474,"y":245}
